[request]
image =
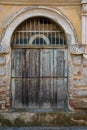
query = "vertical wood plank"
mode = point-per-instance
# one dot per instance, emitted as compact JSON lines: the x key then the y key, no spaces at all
{"x":23,"y":63}
{"x":46,"y":63}
{"x":33,"y":93}
{"x":17,"y":93}
{"x":24,"y":92}
{"x":17,"y":63}
{"x":60,"y":63}
{"x":32,"y":62}
{"x":60,"y":85}
{"x":46,"y":93}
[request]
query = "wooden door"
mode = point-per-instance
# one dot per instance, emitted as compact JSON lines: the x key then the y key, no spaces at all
{"x":39,"y":78}
{"x":25,"y":78}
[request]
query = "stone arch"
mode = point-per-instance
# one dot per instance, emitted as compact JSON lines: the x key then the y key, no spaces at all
{"x":38,"y":11}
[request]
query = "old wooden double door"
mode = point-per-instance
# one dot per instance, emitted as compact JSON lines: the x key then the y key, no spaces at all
{"x":39,"y":78}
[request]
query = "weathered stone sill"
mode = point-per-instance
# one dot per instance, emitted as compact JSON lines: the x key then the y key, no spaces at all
{"x":43,"y":119}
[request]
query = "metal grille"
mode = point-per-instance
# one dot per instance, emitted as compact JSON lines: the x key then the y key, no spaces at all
{"x":38,"y":31}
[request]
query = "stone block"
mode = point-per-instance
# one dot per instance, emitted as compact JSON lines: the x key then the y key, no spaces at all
{"x":82,"y":104}
{"x":77,"y":71}
{"x":2,"y":82}
{"x":81,"y":93}
{"x":3,"y":106}
{"x":2,"y":95}
{"x":2,"y":89}
{"x":81,"y":82}
{"x":2,"y":60}
{"x":2,"y":71}
{"x":85,"y":72}
{"x":84,"y":62}
{"x":76,"y":60}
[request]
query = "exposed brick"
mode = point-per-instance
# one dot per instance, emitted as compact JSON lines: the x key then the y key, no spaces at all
{"x":3,"y":106}
{"x":2,"y":95}
{"x":82,"y":104}
{"x":80,"y":93}
{"x":2,"y":82}
{"x":81,"y":82}
{"x":2,"y":89}
{"x":76,"y":60}
{"x":73,"y":104}
{"x":77,"y":71}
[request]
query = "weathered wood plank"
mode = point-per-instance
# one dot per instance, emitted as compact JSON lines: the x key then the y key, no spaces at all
{"x":60,"y":92}
{"x":60,"y":63}
{"x":46,"y":93}
{"x":24,"y":63}
{"x":33,"y":92}
{"x":16,"y":93}
{"x":24,"y":92}
{"x":32,"y":63}
{"x":46,"y":63}
{"x":17,"y":63}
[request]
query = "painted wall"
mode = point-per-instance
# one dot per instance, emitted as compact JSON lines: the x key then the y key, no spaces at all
{"x":72,"y":12}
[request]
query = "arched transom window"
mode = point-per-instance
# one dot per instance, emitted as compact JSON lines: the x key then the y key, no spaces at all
{"x":39,"y":65}
{"x":39,"y":31}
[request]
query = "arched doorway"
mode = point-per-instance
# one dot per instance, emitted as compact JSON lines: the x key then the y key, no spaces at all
{"x":39,"y":65}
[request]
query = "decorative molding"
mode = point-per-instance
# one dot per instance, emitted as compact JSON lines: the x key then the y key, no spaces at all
{"x":84,"y":8}
{"x":76,"y":49}
{"x":79,"y":49}
{"x":39,"y":36}
{"x":85,"y":56}
{"x":42,"y":3}
{"x":83,"y":1}
{"x":4,"y":49}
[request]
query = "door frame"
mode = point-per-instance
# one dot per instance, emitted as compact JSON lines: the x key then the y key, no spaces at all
{"x":39,"y":109}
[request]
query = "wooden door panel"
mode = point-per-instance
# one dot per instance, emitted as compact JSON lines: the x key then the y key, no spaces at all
{"x":39,"y":78}
{"x":46,"y":63}
{"x":60,"y":92}
{"x":46,"y":92}
{"x":16,"y":93}
{"x":60,"y":63}
{"x":17,"y":63}
{"x":33,"y":93}
{"x":24,"y":63}
{"x":25,"y":93}
{"x":32,"y":63}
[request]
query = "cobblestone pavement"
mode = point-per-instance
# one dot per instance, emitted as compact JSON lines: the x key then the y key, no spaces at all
{"x":43,"y":128}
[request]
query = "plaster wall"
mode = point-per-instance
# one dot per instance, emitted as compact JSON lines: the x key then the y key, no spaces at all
{"x":73,"y":13}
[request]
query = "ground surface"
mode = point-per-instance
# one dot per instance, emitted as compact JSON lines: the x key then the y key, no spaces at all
{"x":44,"y":128}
